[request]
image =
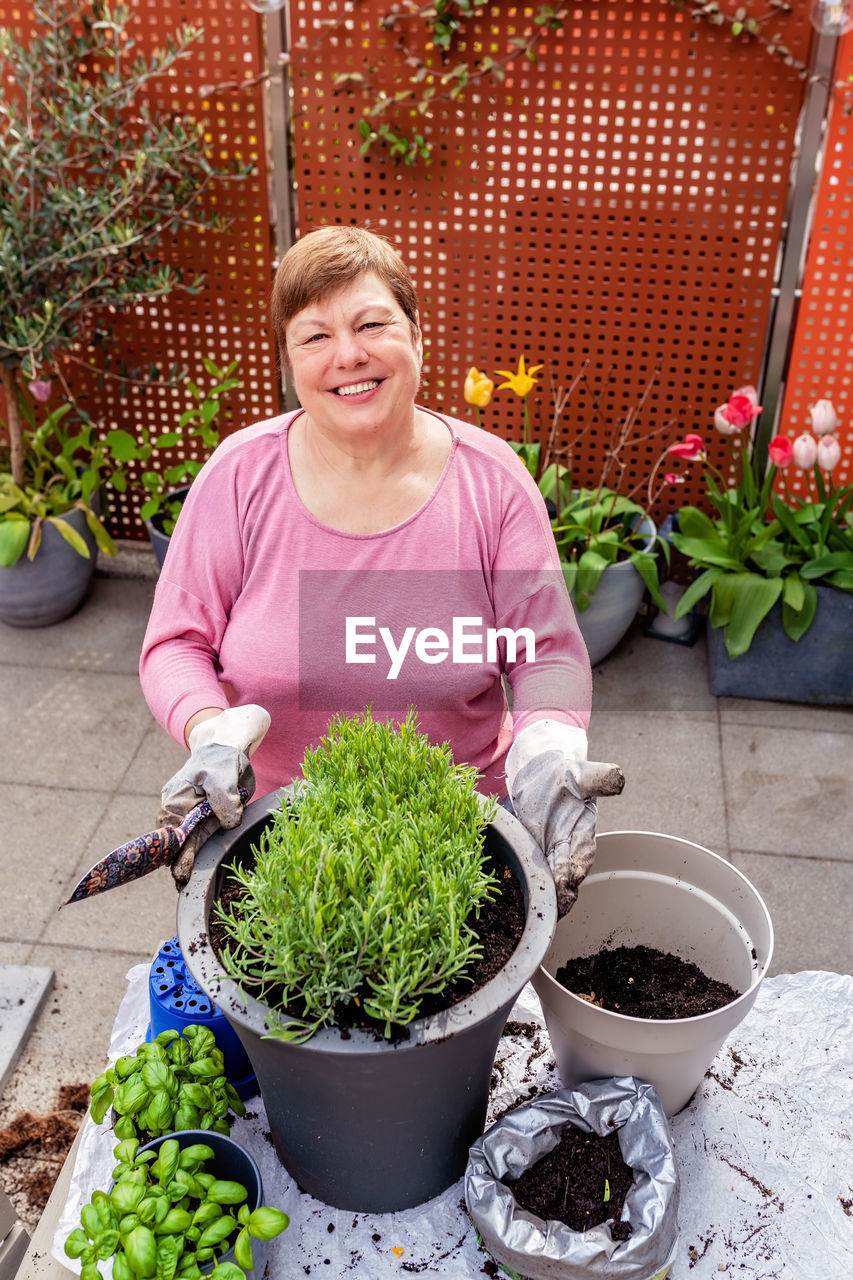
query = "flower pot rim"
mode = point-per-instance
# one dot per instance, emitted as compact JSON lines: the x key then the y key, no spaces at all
{"x":759,"y":972}
{"x":250,"y":1013}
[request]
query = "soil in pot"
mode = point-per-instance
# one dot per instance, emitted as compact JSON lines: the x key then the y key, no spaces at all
{"x":499,"y":928}
{"x":583,"y":1181}
{"x":642,"y":982}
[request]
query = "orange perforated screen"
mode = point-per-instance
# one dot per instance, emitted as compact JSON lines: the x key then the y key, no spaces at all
{"x":614,"y":207}
{"x":820,"y":366}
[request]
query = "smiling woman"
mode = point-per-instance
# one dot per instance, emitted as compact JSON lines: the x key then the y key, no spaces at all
{"x":364,"y":507}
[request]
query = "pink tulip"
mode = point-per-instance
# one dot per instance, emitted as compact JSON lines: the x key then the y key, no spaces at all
{"x":824,"y":417}
{"x":672,"y":478}
{"x":40,"y":389}
{"x":690,"y":448}
{"x":738,"y":411}
{"x":781,"y":451}
{"x":828,"y":452}
{"x":805,"y":451}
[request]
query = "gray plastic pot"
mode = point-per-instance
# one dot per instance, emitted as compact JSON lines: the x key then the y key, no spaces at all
{"x":656,"y":891}
{"x":360,"y":1123}
{"x":48,"y":588}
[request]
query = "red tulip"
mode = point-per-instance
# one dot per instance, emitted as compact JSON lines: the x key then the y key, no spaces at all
{"x":738,"y":411}
{"x":781,"y":451}
{"x":690,"y":448}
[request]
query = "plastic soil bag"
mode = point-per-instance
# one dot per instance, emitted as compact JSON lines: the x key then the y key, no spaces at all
{"x":528,"y":1247}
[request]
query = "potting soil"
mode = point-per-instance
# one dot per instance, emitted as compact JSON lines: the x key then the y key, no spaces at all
{"x":642,"y":982}
{"x":582,"y":1182}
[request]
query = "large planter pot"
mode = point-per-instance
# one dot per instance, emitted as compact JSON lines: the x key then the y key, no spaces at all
{"x":677,"y":897}
{"x":48,"y":588}
{"x":159,"y":539}
{"x":818,"y":668}
{"x":614,"y":603}
{"x":361,"y":1123}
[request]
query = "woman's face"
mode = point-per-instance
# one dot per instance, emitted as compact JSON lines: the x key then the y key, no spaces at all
{"x":356,"y":364}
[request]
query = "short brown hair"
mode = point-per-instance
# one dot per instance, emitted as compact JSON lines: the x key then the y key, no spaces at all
{"x":329,"y":258}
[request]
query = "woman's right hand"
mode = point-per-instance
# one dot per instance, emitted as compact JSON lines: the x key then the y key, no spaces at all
{"x":217,"y":769}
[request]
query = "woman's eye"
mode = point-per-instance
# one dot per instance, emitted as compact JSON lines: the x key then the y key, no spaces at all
{"x":374,"y":324}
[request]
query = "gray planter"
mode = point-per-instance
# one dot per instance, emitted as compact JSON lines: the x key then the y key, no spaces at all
{"x":360,"y":1123}
{"x":160,"y":540}
{"x":817,"y":669}
{"x":614,"y":603}
{"x":48,"y":588}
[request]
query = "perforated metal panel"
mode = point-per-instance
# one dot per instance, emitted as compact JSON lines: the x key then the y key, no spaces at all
{"x":820,"y":365}
{"x":616,"y":206}
{"x":227,"y":319}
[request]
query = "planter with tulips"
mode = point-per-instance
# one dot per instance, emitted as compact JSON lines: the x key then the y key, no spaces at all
{"x":776,"y":566}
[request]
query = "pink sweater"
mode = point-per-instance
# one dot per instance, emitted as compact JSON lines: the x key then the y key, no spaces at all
{"x":260,"y":602}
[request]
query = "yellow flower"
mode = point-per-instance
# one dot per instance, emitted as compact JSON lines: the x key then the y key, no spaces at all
{"x":478,"y":388}
{"x":522,"y":382}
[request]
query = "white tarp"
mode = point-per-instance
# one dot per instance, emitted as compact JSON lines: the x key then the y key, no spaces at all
{"x":764,"y":1153}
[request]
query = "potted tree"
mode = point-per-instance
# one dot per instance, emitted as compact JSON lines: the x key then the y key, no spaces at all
{"x":91,"y":181}
{"x":776,"y":567}
{"x":607,"y":541}
{"x":359,"y":907}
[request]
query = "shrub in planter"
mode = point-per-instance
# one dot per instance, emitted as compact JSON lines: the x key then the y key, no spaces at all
{"x":365,"y":885}
{"x":175,"y":1208}
{"x":637,"y":1243}
{"x":176,"y":1081}
{"x":420,"y":851}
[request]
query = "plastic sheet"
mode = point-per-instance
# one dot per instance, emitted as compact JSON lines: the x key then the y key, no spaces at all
{"x":764,"y":1154}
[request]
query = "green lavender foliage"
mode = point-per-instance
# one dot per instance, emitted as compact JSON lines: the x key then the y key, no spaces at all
{"x":363,"y":885}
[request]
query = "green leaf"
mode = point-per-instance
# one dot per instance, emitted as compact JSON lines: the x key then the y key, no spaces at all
{"x":266,"y":1222}
{"x":741,"y":601}
{"x":71,"y":536}
{"x":14,"y":536}
{"x":797,"y":621}
{"x":122,"y":445}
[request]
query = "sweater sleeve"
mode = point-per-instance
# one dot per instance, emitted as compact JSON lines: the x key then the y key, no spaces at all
{"x":198,"y":584}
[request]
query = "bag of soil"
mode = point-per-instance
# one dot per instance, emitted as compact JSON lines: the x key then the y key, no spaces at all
{"x":550,"y":1250}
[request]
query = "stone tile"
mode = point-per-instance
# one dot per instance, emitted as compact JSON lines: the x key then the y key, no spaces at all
{"x":673,"y":777}
{"x":648,"y":676}
{"x":809,"y":904}
{"x":137,"y":916}
{"x":785,"y":715}
{"x":69,"y":727}
{"x":23,"y":991}
{"x":105,"y":634}
{"x":788,"y":790}
{"x":70,"y":1041}
{"x":47,"y":832}
{"x":157,"y":759}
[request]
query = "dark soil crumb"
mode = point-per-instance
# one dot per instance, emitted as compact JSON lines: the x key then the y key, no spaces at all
{"x":643,"y":982}
{"x":582,"y":1182}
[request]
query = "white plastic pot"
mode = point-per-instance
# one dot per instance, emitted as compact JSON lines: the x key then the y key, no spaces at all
{"x":667,"y":893}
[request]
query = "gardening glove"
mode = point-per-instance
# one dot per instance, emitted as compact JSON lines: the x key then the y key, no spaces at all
{"x":218,"y":767}
{"x":553,"y":787}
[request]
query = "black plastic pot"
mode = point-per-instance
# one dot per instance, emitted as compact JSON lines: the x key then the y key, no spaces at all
{"x":360,"y":1123}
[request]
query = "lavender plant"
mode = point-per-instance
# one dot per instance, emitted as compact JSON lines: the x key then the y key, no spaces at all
{"x":365,"y":885}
